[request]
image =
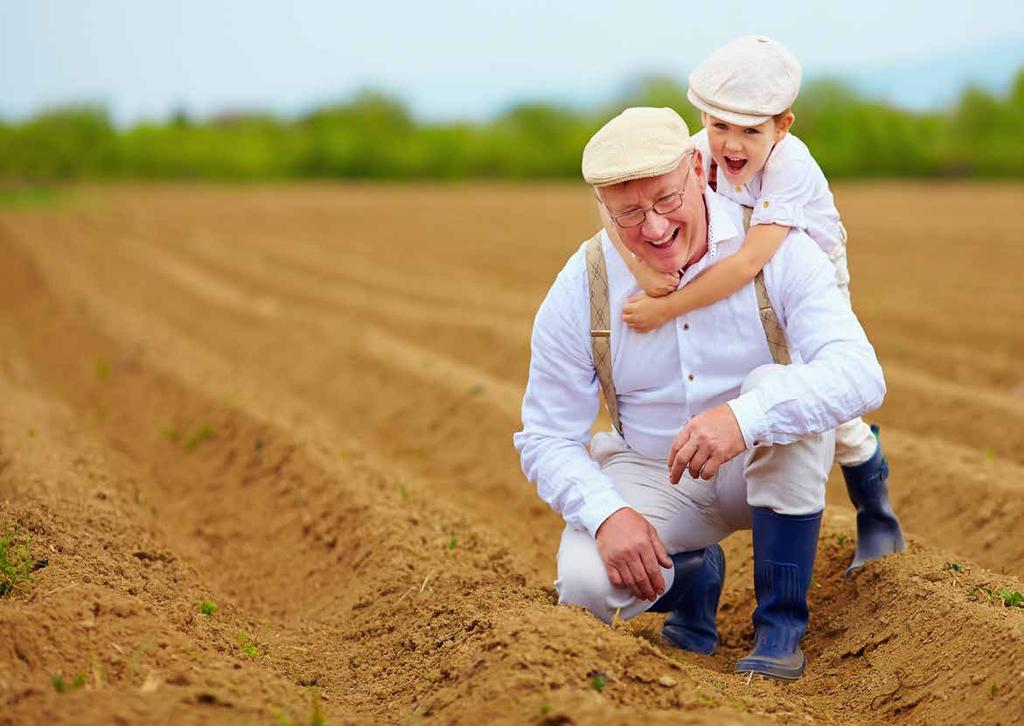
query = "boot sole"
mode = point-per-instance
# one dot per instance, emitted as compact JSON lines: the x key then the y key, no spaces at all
{"x":777,"y":673}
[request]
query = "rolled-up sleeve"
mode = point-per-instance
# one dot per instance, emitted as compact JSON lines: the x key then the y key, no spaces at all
{"x":559,"y":408}
{"x":839,"y":377}
{"x":785,"y":193}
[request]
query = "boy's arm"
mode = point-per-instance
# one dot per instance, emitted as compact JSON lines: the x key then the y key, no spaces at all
{"x":654,"y":283}
{"x":645,"y":313}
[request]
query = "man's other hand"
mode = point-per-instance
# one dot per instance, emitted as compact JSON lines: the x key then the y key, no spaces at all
{"x":709,"y":440}
{"x":632,"y":552}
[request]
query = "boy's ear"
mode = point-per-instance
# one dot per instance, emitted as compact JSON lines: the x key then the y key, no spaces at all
{"x":783,"y":124}
{"x":703,"y":118}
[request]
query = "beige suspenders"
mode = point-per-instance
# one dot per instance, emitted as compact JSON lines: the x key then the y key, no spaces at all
{"x":769,"y":320}
{"x":601,"y":324}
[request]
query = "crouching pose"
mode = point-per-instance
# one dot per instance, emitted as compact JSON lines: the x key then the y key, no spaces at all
{"x":767,"y":373}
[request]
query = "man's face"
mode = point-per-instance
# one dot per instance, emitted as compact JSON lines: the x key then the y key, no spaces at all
{"x":665,"y":242}
{"x":742,"y":151}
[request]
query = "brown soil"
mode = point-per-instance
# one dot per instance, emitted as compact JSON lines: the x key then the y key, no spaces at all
{"x":297,"y":403}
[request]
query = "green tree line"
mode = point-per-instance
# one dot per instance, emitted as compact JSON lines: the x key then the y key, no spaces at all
{"x":374,"y":136}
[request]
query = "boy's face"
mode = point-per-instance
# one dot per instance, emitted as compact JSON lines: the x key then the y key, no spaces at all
{"x":665,"y":242}
{"x":742,"y":151}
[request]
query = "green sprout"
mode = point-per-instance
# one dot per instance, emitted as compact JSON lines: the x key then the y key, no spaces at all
{"x":15,"y":562}
{"x":249,"y":646}
{"x":207,"y":607}
{"x":198,"y":436}
{"x":1011,"y":598}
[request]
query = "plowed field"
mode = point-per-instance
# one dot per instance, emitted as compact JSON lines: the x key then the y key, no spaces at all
{"x":297,"y":403}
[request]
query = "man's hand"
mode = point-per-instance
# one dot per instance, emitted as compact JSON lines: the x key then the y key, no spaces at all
{"x":644,"y":313}
{"x":709,"y":440}
{"x":631,"y":551}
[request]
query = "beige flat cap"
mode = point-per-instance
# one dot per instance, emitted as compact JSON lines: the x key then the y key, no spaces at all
{"x":746,"y":81}
{"x":638,"y":143}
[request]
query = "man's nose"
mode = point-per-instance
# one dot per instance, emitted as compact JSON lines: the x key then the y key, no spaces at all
{"x":655,"y":225}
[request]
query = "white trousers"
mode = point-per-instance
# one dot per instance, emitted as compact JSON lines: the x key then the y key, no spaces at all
{"x":855,"y":443}
{"x":694,"y":513}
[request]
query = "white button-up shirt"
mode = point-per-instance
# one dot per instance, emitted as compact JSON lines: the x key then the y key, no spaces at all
{"x":790,"y":190}
{"x":693,"y":363}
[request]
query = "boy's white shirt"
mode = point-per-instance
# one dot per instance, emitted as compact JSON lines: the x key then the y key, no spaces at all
{"x":790,"y":190}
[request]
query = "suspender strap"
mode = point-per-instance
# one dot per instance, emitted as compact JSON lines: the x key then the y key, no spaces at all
{"x":769,"y":320}
{"x":601,"y":326}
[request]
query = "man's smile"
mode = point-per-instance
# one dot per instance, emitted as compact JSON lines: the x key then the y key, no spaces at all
{"x":665,"y":242}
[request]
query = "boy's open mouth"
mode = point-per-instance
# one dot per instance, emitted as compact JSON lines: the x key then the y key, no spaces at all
{"x":735,"y":164}
{"x":667,"y":242}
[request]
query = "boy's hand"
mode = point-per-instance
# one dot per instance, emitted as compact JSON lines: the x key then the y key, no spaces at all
{"x":654,"y":283}
{"x":643,"y":313}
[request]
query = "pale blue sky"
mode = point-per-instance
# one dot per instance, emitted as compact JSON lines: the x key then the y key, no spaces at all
{"x":467,"y":59}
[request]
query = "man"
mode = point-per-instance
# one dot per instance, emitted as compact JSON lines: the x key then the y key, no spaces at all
{"x":641,"y":535}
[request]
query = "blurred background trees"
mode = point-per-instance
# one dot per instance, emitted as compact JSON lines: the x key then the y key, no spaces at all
{"x":374,"y":136}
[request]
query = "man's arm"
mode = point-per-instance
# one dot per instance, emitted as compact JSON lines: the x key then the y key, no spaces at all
{"x":559,"y":409}
{"x":840,"y":377}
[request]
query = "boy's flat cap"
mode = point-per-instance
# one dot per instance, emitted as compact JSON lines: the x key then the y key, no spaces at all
{"x":746,"y":81}
{"x":640,"y":142}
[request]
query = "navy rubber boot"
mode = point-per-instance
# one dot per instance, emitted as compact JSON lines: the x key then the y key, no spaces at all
{"x":878,"y":529}
{"x":784,"y":550}
{"x":692,"y":601}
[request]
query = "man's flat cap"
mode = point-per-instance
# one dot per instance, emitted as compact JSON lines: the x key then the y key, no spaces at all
{"x":638,"y":143}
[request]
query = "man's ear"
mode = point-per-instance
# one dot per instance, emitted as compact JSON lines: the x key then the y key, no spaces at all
{"x":698,"y":170}
{"x":782,"y":125}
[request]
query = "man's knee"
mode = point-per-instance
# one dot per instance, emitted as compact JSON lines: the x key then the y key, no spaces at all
{"x":588,"y":587}
{"x":790,"y":478}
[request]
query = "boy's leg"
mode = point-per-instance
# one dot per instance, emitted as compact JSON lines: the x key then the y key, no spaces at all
{"x":859,"y":453}
{"x":867,"y":482}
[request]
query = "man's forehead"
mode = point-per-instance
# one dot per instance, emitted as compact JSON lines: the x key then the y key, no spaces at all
{"x":637,"y":190}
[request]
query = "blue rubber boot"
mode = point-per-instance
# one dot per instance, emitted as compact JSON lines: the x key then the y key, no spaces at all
{"x":878,"y":529}
{"x":692,"y":601}
{"x":784,"y":550}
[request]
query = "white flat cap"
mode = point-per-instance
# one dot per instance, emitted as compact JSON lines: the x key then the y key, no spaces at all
{"x":746,"y":81}
{"x":638,"y":143}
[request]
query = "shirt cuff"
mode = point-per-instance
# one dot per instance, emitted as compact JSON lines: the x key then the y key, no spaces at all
{"x":772,"y":211}
{"x":752,"y":420}
{"x":599,"y":507}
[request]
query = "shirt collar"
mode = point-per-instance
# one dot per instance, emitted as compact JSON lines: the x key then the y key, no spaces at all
{"x":721,"y":227}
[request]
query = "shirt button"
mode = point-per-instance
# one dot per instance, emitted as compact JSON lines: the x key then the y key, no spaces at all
{"x":690,"y":376}
{"x":739,"y":189}
{"x":686,"y":326}
{"x":766,"y":204}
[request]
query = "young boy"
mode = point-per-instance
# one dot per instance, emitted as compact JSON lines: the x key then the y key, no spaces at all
{"x":744,"y":91}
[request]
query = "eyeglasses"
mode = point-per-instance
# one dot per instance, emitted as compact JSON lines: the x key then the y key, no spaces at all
{"x":665,"y":205}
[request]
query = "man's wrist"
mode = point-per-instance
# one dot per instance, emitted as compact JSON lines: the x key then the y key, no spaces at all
{"x":597,"y":530}
{"x":751,"y":419}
